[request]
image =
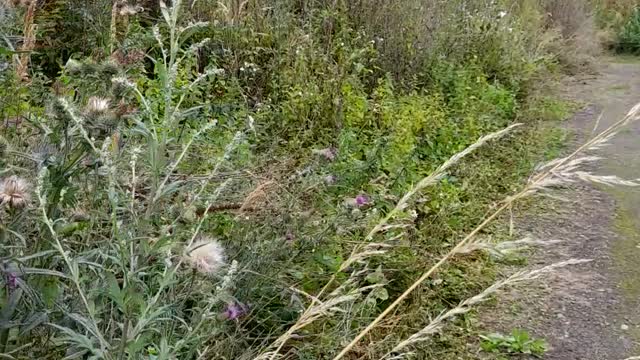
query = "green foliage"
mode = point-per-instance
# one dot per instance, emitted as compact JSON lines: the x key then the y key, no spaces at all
{"x":518,"y":342}
{"x":629,"y":36}
{"x":259,"y":128}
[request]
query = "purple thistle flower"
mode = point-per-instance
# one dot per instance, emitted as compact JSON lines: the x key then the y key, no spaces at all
{"x":12,"y":281}
{"x":234,"y":311}
{"x":362,"y":200}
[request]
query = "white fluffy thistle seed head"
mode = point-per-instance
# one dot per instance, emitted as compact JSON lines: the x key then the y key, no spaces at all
{"x":14,"y":192}
{"x":97,"y":105}
{"x":206,"y":256}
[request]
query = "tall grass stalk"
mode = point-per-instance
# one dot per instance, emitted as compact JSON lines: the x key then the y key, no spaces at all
{"x":546,"y":178}
{"x":466,"y":305}
{"x":113,"y":28}
{"x":29,"y":40}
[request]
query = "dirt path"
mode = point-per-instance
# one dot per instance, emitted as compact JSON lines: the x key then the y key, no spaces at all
{"x":590,"y":312}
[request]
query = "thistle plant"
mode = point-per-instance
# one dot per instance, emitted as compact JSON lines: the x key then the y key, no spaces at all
{"x":206,"y":256}
{"x":149,"y":264}
{"x":158,"y":128}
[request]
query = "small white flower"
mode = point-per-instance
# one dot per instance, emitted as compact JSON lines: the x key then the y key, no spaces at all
{"x":502,"y":14}
{"x":206,"y":256}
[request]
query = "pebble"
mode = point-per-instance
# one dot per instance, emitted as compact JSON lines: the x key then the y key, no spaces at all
{"x":624,"y":327}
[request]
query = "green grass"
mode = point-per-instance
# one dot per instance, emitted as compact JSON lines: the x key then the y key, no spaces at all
{"x":320,"y":129}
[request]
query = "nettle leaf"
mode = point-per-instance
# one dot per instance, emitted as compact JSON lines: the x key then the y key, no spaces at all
{"x":380,"y":293}
{"x":330,"y":261}
{"x":161,"y":71}
{"x":140,"y":344}
{"x":50,"y":290}
{"x":376,"y":277}
{"x":70,"y":228}
{"x":133,"y":299}
{"x":6,"y":51}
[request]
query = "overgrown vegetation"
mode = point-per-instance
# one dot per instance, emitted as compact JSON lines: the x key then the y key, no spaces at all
{"x":618,"y":20}
{"x":260,"y":179}
{"x":518,"y":342}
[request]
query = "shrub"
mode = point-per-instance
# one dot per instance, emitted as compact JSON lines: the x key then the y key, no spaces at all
{"x":629,"y":37}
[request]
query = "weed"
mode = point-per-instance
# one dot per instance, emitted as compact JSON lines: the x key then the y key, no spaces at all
{"x":518,"y":342}
{"x":629,"y":37}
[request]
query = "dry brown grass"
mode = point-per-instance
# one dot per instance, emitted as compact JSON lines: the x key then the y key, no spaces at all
{"x":575,"y":22}
{"x":623,"y":7}
{"x":612,"y":15}
{"x":28,"y":42}
{"x":259,"y":197}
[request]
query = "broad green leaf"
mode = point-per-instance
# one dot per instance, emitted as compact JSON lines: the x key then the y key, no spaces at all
{"x":380,"y":293}
{"x":376,"y":277}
